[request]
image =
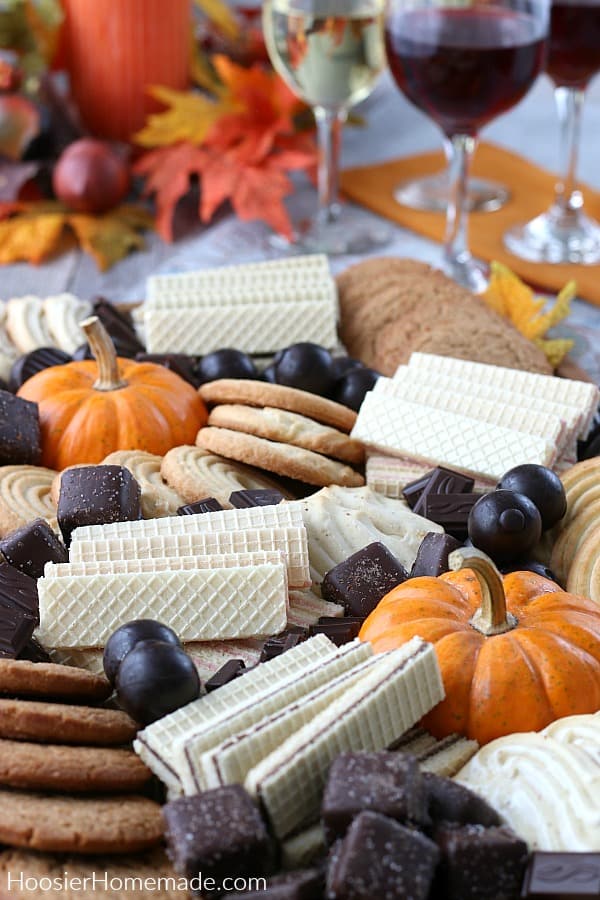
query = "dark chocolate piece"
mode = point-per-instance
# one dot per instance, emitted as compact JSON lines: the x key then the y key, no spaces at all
{"x":443,"y":481}
{"x":380,"y":859}
{"x":450,"y":801}
{"x":562,"y":876}
{"x":479,"y":863}
{"x":339,"y":631}
{"x":360,"y":582}
{"x":413,"y":490}
{"x":209,"y":504}
{"x":388,"y":783}
{"x":279,"y":643}
{"x":339,"y":620}
{"x":450,"y":510}
{"x":30,"y":547}
{"x":231,"y":670}
{"x":16,"y":629}
{"x":34,"y":652}
{"x":28,"y":365}
{"x":256,"y":497}
{"x":18,"y":591}
{"x":218,"y":834}
{"x":20,"y":441}
{"x":96,"y":495}
{"x":307,"y":884}
{"x":120,"y":327}
{"x":179,"y":363}
{"x":432,"y":555}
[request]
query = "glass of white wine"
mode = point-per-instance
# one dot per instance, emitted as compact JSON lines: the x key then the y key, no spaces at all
{"x":330,"y":53}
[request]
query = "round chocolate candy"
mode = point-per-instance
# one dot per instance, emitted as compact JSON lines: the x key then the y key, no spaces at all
{"x":270,"y":374}
{"x":307,"y":367}
{"x":542,"y":486}
{"x":226,"y":363}
{"x":505,"y":524}
{"x":25,"y":367}
{"x":343,"y":364}
{"x":124,"y":639}
{"x":350,"y":390}
{"x":154,"y":679}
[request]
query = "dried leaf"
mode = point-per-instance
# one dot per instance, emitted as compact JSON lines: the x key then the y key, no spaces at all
{"x":30,"y":237}
{"x":189,"y":118}
{"x":555,"y":350}
{"x":168,"y":171}
{"x":109,"y":238}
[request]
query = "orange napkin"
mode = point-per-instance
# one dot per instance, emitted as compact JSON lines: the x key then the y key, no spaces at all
{"x":531,"y":193}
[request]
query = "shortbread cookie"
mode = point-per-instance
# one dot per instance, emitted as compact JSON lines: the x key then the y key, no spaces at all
{"x":21,"y":678}
{"x":25,"y":495}
{"x":261,"y":393}
{"x":196,"y":474}
{"x":79,"y":824}
{"x":85,"y":770}
{"x":28,"y":720}
{"x":284,"y":459}
{"x":571,"y":538}
{"x":584,"y":572}
{"x":26,"y":325}
{"x":391,"y":307}
{"x":8,"y":351}
{"x":288,"y":428}
{"x":158,"y":499}
{"x":63,"y":313}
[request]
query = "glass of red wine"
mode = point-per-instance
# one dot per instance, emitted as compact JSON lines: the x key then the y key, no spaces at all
{"x":564,"y":233}
{"x":463,"y":65}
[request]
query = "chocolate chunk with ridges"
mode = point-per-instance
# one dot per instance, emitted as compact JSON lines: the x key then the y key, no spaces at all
{"x":432,"y":555}
{"x":444,"y":481}
{"x":217,"y":833}
{"x":20,"y":440}
{"x":279,"y":643}
{"x":381,"y":859}
{"x":256,"y":497}
{"x":34,"y":652}
{"x":209,"y":504}
{"x":16,"y":629}
{"x":120,"y":327}
{"x":450,"y":510}
{"x":359,"y":583}
{"x":18,"y":591}
{"x":388,"y":783}
{"x":562,"y":876}
{"x":179,"y":363}
{"x":307,"y":884}
{"x":96,"y":495}
{"x":231,"y":670}
{"x":413,"y":490}
{"x":479,"y":863}
{"x":450,"y":801}
{"x":28,"y":365}
{"x":340,"y":631}
{"x":30,"y":547}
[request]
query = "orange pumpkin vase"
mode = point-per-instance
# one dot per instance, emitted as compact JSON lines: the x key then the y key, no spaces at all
{"x":91,"y":408}
{"x":515,"y":653}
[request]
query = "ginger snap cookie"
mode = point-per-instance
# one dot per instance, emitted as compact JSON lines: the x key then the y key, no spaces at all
{"x":261,"y":393}
{"x":25,"y":495}
{"x":32,"y":720}
{"x":390,"y":308}
{"x":60,"y":824}
{"x":86,"y":770}
{"x":284,"y":459}
{"x":158,"y":499}
{"x":21,"y":678}
{"x":288,"y":428}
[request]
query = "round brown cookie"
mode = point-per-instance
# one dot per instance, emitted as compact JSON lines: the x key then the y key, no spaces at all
{"x":21,"y":678}
{"x":51,"y":767}
{"x":582,"y":469}
{"x":261,"y":393}
{"x":30,"y":720}
{"x":24,"y":496}
{"x":60,"y":824}
{"x":288,"y":428}
{"x":196,"y":474}
{"x":392,"y":307}
{"x":284,"y":459}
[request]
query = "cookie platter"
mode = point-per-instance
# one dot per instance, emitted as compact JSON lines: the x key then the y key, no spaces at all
{"x":280,"y":622}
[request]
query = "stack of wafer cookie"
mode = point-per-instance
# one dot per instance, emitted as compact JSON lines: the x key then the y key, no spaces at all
{"x":575,"y":556}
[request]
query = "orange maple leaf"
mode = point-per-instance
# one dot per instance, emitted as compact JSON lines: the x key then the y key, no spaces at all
{"x":168,"y":171}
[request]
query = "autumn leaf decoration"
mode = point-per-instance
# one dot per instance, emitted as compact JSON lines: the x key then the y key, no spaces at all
{"x":240,"y":143}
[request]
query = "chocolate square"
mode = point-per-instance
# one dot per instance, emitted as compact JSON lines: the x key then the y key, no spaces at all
{"x":339,"y":631}
{"x":34,"y":652}
{"x":450,"y":801}
{"x":480,"y":863}
{"x":413,"y":490}
{"x":432,"y":555}
{"x":256,"y":497}
{"x":231,"y":670}
{"x":307,"y":884}
{"x":451,"y":511}
{"x":217,"y":834}
{"x":208,"y":504}
{"x":20,"y":439}
{"x":120,"y":327}
{"x":443,"y":481}
{"x":562,"y":876}
{"x":279,"y":643}
{"x":16,"y":629}
{"x":360,"y":582}
{"x":388,"y":783}
{"x":96,"y":495}
{"x":18,"y":591}
{"x":29,"y":548}
{"x":381,"y":860}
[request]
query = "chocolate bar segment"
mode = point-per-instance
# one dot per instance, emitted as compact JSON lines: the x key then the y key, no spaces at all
{"x":256,"y":497}
{"x":413,"y":490}
{"x":450,"y":801}
{"x":432,"y":555}
{"x":34,"y":652}
{"x":480,"y":863}
{"x":443,"y":481}
{"x":562,"y":876}
{"x":207,"y":505}
{"x":16,"y":629}
{"x":339,"y":631}
{"x":120,"y":327}
{"x":18,"y":591}
{"x":360,"y":582}
{"x":451,"y":511}
{"x":94,"y":495}
{"x":20,"y":440}
{"x":30,"y":547}
{"x":281,"y":643}
{"x":231,"y":670}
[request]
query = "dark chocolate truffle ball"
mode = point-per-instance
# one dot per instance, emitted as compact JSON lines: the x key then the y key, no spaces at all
{"x":125,"y":638}
{"x":154,"y":679}
{"x":505,"y":525}
{"x":542,"y":486}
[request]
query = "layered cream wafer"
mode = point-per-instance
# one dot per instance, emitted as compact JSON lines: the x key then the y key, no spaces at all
{"x":245,"y":294}
{"x":292,"y":542}
{"x":441,"y":437}
{"x":199,"y":605}
{"x":24,"y":496}
{"x":307,"y":608}
{"x":26,"y":325}
{"x":389,"y":475}
{"x":162,"y":564}
{"x":397,"y":691}
{"x":447,"y":756}
{"x":157,"y":499}
{"x":302,"y":849}
{"x":154,"y":744}
{"x":63,"y":313}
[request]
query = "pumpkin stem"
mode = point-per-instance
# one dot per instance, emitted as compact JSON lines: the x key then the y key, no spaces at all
{"x":492,"y":617}
{"x":103,"y":351}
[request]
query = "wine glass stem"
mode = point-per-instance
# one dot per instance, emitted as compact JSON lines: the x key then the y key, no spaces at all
{"x":568,"y":200}
{"x":330,"y":123}
{"x":459,"y":150}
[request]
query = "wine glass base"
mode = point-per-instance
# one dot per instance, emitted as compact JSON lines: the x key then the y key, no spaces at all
{"x":467,"y":272}
{"x":548,"y":239}
{"x":432,"y":194}
{"x":351,"y":232}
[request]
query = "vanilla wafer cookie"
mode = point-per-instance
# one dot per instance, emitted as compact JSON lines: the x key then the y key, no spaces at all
{"x":26,"y":325}
{"x":24,"y":496}
{"x":261,"y":393}
{"x":63,"y":313}
{"x":284,"y":459}
{"x":195,"y":474}
{"x":288,"y":428}
{"x":447,"y":756}
{"x":584,"y":571}
{"x":158,"y":499}
{"x":163,"y":564}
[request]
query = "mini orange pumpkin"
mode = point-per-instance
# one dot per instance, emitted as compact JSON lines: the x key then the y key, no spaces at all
{"x":91,"y":408}
{"x":515,"y":653}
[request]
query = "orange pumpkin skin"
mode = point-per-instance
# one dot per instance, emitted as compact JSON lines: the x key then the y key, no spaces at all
{"x":545,"y":668}
{"x":155,"y":411}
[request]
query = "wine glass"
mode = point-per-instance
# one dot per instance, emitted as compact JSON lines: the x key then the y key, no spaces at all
{"x":431,"y":193}
{"x":464,"y":65}
{"x":330,"y":53}
{"x":564,"y":233}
